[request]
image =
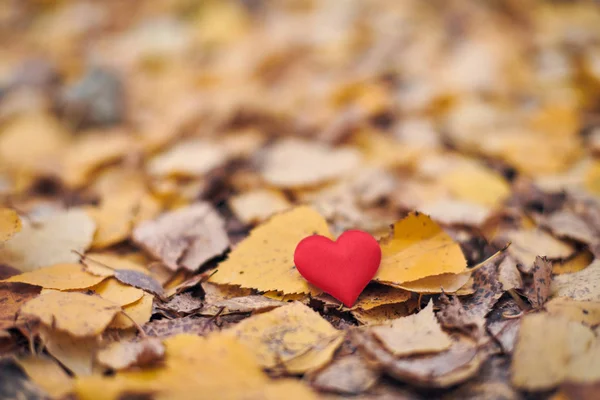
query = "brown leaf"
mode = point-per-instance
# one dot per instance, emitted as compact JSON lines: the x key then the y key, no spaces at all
{"x":244,"y":304}
{"x":139,"y":280}
{"x":583,"y":285}
{"x":539,"y":291}
{"x":12,"y":297}
{"x":453,"y":315}
{"x":193,"y":325}
{"x":122,"y":355}
{"x":348,"y":375}
{"x":181,"y":304}
{"x":185,"y":238}
{"x":567,"y":224}
{"x":455,"y":365}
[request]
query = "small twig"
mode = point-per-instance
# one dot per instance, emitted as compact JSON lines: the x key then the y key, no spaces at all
{"x":137,"y":326}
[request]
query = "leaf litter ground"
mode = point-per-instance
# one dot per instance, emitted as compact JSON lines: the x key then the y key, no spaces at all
{"x":160,"y":160}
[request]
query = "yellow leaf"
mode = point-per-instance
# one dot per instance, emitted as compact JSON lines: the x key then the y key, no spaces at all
{"x":447,"y":283}
{"x":418,"y":248}
{"x":585,"y":312}
{"x":140,"y":312}
{"x":51,"y":240}
{"x":583,"y":285}
{"x":257,"y":205}
{"x":574,"y":264}
{"x":116,"y":292}
{"x":77,"y":354}
{"x":75,"y":313}
{"x":592,"y":179}
{"x":477,"y":184}
{"x":527,"y":244}
{"x":415,"y":334}
{"x":59,"y":277}
{"x":189,"y":158}
{"x":546,"y":346}
{"x":194,"y":367}
{"x":288,"y":333}
{"x":90,"y":152}
{"x":374,"y":295}
{"x":113,"y":262}
{"x":264,"y":260}
{"x":10,"y":223}
{"x":384,"y":151}
{"x":122,"y":354}
{"x":47,"y":374}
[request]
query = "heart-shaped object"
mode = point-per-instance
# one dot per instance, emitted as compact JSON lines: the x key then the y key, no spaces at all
{"x":342,"y":268}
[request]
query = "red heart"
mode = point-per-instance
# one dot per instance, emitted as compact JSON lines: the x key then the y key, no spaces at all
{"x":342,"y":268}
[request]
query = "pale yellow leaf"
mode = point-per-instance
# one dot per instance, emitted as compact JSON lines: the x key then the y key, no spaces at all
{"x":47,"y":374}
{"x":586,"y":312}
{"x":257,"y":205}
{"x":418,"y":248}
{"x":264,"y":260}
{"x":10,"y":223}
{"x":527,"y":244}
{"x":77,"y":354}
{"x":140,"y":312}
{"x":117,"y":292}
{"x":59,"y":277}
{"x":583,"y":285}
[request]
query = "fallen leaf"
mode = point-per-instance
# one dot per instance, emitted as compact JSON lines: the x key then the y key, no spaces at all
{"x":10,"y":224}
{"x":546,"y":346}
{"x":114,"y":291}
{"x":182,"y":304}
{"x":583,"y":285}
{"x":244,"y":304}
{"x":264,"y":260}
{"x":282,"y":336}
{"x":451,"y":212}
{"x":380,"y":315}
{"x":509,"y":275}
{"x":139,"y":280}
{"x":526,"y":245}
{"x":585,"y":312}
{"x":574,"y":264}
{"x":194,"y":157}
{"x":348,"y":375}
{"x":293,"y":163}
{"x":374,"y":295}
{"x":192,"y":325}
{"x":122,"y":355}
{"x":140,"y":312}
{"x":487,"y":291}
{"x":75,"y":313}
{"x":15,"y":385}
{"x":447,"y":368}
{"x":418,"y":248}
{"x":539,"y":291}
{"x":12,"y":297}
{"x":442,"y":283}
{"x":415,"y":334}
{"x":258,"y":205}
{"x":188,"y":357}
{"x":214,"y":293}
{"x":453,"y":315}
{"x":567,"y":224}
{"x":477,"y":184}
{"x":185,"y":238}
{"x":59,"y":277}
{"x":586,"y":367}
{"x":51,"y":240}
{"x":47,"y":374}
{"x":76,"y":354}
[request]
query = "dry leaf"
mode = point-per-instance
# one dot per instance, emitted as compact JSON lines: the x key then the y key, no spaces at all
{"x":586,"y":367}
{"x":194,"y":365}
{"x":139,"y":280}
{"x":12,"y":297}
{"x":244,"y":304}
{"x":539,"y":292}
{"x":47,"y":374}
{"x":509,"y":275}
{"x":75,"y":313}
{"x":114,"y":291}
{"x":59,"y":277}
{"x":475,"y":183}
{"x":583,"y":285}
{"x":526,"y":245}
{"x":349,"y":375}
{"x":122,"y":355}
{"x":293,"y":163}
{"x":416,"y":334}
{"x":140,"y":312}
{"x":567,"y":224}
{"x":264,"y":260}
{"x":452,"y":212}
{"x":51,"y":240}
{"x":444,"y":369}
{"x":190,"y":158}
{"x":293,"y":336}
{"x":185,"y":238}
{"x":573,"y":264}
{"x":453,"y":315}
{"x":442,"y":283}
{"x":10,"y":224}
{"x":257,"y":205}
{"x":418,"y":248}
{"x":193,"y":325}
{"x":77,"y":354}
{"x":374,"y":295}
{"x":546,"y":346}
{"x":585,"y":312}
{"x":214,"y":293}
{"x":380,"y":315}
